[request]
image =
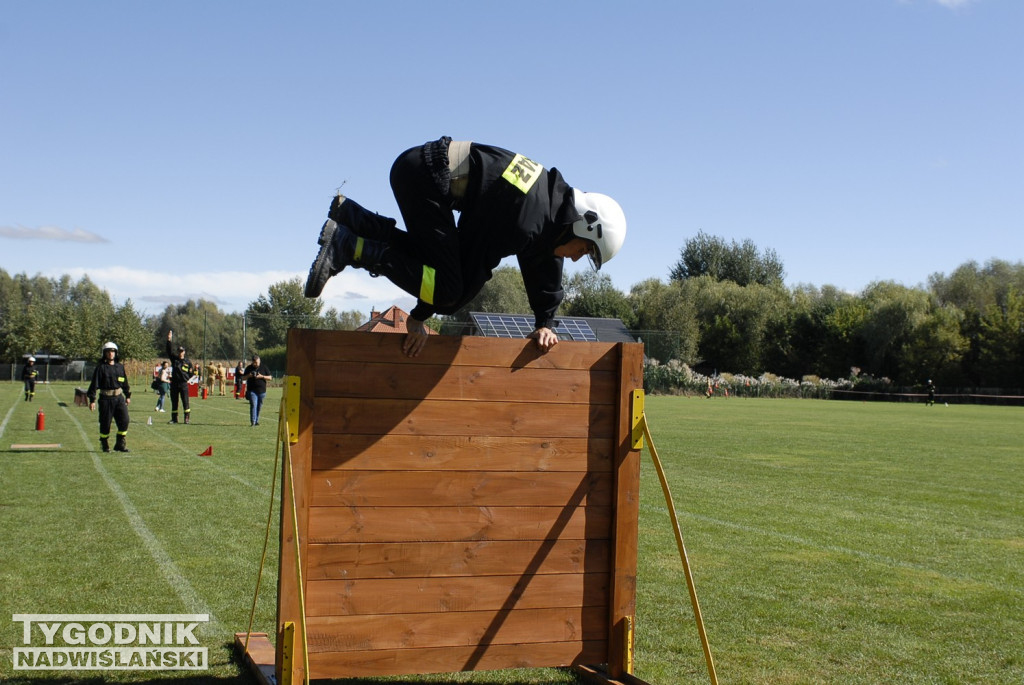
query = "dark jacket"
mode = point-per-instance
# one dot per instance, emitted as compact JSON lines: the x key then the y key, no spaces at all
{"x":257,"y":385}
{"x":181,"y":369}
{"x":519,"y":209}
{"x":29,"y":372}
{"x":108,"y":377}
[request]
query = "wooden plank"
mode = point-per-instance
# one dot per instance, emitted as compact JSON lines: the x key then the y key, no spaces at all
{"x":627,"y":515}
{"x":259,"y":658}
{"x":477,"y":383}
{"x":595,"y":676}
{"x":302,"y":350}
{"x":384,"y":662}
{"x":458,"y":488}
{"x":442,"y":559}
{"x":407,"y":468}
{"x":410,"y":524}
{"x":451,"y":629}
{"x":447,"y":350}
{"x":451,"y":417}
{"x":467,"y":593}
{"x":461,"y":453}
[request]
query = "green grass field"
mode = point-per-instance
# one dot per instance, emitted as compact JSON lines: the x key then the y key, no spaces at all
{"x":831,"y":542}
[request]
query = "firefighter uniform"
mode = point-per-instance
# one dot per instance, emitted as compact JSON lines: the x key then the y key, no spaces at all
{"x":110,"y":384}
{"x":182,"y":370}
{"x":29,"y":373}
{"x":508,"y":205}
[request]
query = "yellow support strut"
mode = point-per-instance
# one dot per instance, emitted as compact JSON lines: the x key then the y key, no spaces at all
{"x":682,"y":548}
{"x":287,"y":433}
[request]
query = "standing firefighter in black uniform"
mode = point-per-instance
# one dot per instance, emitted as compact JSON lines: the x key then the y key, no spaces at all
{"x":29,"y":372}
{"x":508,"y":204}
{"x":111,"y":383}
{"x":182,"y":370}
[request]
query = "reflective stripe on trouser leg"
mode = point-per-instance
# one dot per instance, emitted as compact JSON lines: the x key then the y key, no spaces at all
{"x":427,"y":284}
{"x":357,"y":254}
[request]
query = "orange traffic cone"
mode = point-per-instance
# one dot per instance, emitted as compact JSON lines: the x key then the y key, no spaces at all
{"x":208,"y":452}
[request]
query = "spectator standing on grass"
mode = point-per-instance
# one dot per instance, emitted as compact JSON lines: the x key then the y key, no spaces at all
{"x":163,"y":379}
{"x":256,"y":377}
{"x":110,"y":382}
{"x":29,"y":373}
{"x":221,"y":374}
{"x":209,"y":376}
{"x":239,"y":372}
{"x":182,"y":371}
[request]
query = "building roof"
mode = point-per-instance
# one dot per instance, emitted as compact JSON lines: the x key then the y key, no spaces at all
{"x":391,"y":320}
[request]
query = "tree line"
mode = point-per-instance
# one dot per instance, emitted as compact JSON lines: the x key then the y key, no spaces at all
{"x":74,"y":318}
{"x":723,"y":308}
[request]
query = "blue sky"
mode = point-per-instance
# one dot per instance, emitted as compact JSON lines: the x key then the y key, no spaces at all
{"x":190,"y":149}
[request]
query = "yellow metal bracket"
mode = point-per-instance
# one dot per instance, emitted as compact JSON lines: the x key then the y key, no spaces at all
{"x":638,"y":419}
{"x":627,"y":637}
{"x":287,"y":650}
{"x":292,"y":384}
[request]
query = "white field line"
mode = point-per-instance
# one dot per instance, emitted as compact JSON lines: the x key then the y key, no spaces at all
{"x":7,"y":418}
{"x":170,"y":571}
{"x":206,"y":461}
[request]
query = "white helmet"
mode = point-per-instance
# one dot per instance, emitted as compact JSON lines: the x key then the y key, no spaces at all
{"x":602,"y":222}
{"x":110,"y":346}
{"x":31,"y":358}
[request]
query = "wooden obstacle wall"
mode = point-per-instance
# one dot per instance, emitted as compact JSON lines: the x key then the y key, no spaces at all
{"x":472,"y":508}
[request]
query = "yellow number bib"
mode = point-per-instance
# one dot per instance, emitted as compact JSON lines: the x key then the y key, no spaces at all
{"x":522,"y":172}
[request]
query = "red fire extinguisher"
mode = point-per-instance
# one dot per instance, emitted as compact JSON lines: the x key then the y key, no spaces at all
{"x":40,"y":420}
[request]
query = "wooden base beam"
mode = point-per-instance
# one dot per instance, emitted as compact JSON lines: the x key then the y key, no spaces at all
{"x":260,"y":657}
{"x":591,"y":674}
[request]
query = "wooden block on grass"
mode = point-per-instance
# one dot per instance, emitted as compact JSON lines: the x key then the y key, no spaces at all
{"x":260,"y":656}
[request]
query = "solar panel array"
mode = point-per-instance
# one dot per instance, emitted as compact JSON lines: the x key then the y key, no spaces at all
{"x":520,"y":326}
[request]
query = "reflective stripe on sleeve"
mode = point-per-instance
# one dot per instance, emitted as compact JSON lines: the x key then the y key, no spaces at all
{"x":427,"y":284}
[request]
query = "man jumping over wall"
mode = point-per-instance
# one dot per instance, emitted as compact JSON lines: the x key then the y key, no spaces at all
{"x":508,"y":204}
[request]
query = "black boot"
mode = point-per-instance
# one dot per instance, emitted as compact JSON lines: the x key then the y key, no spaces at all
{"x":361,"y":221}
{"x":186,"y":417}
{"x":121,"y":444}
{"x":104,"y":444}
{"x":174,"y":417}
{"x":340,"y":247}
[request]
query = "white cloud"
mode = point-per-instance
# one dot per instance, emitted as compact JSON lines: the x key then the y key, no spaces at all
{"x":232,"y":291}
{"x":76,"y":235}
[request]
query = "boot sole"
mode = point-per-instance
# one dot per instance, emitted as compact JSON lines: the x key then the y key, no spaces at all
{"x":320,"y":271}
